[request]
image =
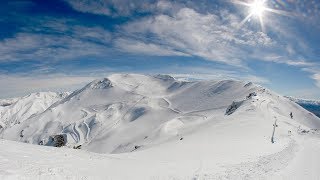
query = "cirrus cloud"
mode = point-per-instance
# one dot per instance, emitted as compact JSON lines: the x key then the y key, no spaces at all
{"x":212,"y":37}
{"x":68,"y":43}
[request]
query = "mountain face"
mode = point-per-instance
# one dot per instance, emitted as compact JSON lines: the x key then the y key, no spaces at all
{"x":7,"y":102}
{"x":131,"y":112}
{"x":157,"y":127}
{"x":16,"y":110}
{"x":310,"y":105}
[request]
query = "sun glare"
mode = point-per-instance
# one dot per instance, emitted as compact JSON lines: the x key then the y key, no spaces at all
{"x":257,"y":8}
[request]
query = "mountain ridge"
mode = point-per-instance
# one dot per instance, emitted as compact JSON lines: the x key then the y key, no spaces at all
{"x":151,"y":110}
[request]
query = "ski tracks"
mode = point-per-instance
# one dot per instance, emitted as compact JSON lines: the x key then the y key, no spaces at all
{"x":264,"y":168}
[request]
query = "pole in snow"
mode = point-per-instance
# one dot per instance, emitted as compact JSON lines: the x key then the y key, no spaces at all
{"x":274,"y":129}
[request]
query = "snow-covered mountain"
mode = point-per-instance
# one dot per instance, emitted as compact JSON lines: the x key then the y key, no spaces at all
{"x":122,"y":113}
{"x":7,"y":102}
{"x":157,"y":127}
{"x":16,"y":110}
{"x":310,"y":105}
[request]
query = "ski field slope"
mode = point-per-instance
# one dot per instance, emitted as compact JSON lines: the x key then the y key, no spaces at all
{"x":155,"y":127}
{"x":16,"y":110}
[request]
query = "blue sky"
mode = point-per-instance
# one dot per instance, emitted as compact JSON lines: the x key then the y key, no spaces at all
{"x":62,"y":44}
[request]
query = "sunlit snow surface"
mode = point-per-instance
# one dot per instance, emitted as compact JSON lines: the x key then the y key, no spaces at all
{"x":156,"y":127}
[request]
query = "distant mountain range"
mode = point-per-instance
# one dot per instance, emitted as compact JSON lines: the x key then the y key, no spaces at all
{"x":310,"y":105}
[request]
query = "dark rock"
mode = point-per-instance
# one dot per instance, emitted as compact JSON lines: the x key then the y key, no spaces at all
{"x":233,"y":107}
{"x":58,"y":140}
{"x":77,"y":147}
{"x":248,"y":84}
{"x":41,"y":142}
{"x":21,"y":134}
{"x":251,"y":95}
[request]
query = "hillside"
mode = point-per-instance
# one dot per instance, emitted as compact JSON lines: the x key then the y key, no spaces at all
{"x":16,"y":110}
{"x":310,"y":105}
{"x":185,"y":130}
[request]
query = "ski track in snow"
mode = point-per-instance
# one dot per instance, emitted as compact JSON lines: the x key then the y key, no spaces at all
{"x":88,"y":130}
{"x":263,"y":168}
{"x":183,"y":131}
{"x":170,"y":106}
{"x":113,"y":125}
{"x":75,"y":131}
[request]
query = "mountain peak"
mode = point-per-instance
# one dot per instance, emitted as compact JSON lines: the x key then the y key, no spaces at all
{"x":164,"y":77}
{"x":129,"y":112}
{"x":104,"y":83}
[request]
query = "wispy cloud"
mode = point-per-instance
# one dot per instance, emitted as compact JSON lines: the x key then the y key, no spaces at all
{"x":73,"y":42}
{"x":315,"y":74}
{"x":193,"y":28}
{"x":283,"y":60}
{"x":213,"y":37}
{"x":140,"y":47}
{"x":94,"y":7}
{"x":220,"y":76}
{"x":200,"y":33}
{"x":316,"y":77}
{"x":114,"y":7}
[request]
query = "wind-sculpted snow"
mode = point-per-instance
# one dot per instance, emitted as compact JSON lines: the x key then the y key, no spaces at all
{"x":15,"y":111}
{"x":157,"y":127}
{"x":7,"y":102}
{"x":125,"y":111}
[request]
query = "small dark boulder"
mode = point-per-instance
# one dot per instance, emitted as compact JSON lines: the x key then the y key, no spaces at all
{"x":58,"y":140}
{"x":233,"y":107}
{"x":304,"y":131}
{"x":251,"y":95}
{"x":21,"y":133}
{"x":248,"y":84}
{"x":77,"y":147}
{"x":41,"y":142}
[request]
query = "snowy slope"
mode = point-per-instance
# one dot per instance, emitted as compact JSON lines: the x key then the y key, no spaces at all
{"x":16,"y":110}
{"x":122,"y":113}
{"x":7,"y":102}
{"x":156,"y":127}
{"x":310,"y":105}
{"x":299,"y":160}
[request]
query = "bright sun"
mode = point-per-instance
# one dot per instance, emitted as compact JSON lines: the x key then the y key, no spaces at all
{"x":257,"y":8}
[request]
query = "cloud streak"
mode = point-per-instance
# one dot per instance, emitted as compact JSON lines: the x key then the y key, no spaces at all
{"x":214,"y":37}
{"x":140,"y":47}
{"x":114,"y":7}
{"x":74,"y":42}
{"x":315,"y":74}
{"x":124,"y":34}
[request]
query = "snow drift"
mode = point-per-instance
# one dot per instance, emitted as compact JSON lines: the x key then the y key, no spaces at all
{"x":131,"y":112}
{"x":16,"y":110}
{"x":157,"y":127}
